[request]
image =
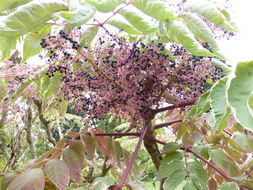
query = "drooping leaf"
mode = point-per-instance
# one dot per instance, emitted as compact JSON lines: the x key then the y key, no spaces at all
{"x":89,"y":144}
{"x":63,"y":107}
{"x":11,"y":4}
{"x":54,"y":86}
{"x":105,"y":5}
{"x":79,"y":16}
{"x":32,"y":179}
{"x":239,"y":91}
{"x":122,"y":25}
{"x":179,"y":33}
{"x":101,"y":143}
{"x":156,"y":9}
{"x":102,"y":183}
{"x":200,"y":107}
{"x":223,"y":161}
{"x":228,"y":186}
{"x":58,"y":172}
{"x":7,"y":46}
{"x":137,"y":21}
{"x":74,"y":158}
{"x":218,"y":99}
{"x":88,"y":35}
{"x":32,"y":41}
{"x":210,"y":11}
{"x":170,"y":147}
{"x":117,"y":151}
{"x":189,"y":186}
{"x":200,"y":29}
{"x":174,"y":179}
{"x":21,"y":88}
{"x":166,"y":169}
{"x":243,"y":141}
{"x":198,"y":175}
{"x":225,"y":68}
{"x":29,"y":16}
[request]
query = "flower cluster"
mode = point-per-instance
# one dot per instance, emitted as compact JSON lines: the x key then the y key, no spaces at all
{"x":123,"y":77}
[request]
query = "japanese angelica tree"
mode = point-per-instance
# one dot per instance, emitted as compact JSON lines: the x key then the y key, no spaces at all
{"x":159,"y":64}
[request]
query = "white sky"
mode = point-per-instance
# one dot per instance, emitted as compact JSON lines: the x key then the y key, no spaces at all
{"x":239,"y":48}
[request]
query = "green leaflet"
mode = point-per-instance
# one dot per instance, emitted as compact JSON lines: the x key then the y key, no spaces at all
{"x":121,"y":24}
{"x":226,"y":69}
{"x":103,"y":183}
{"x":28,"y":17}
{"x":189,"y":186}
{"x":32,"y":41}
{"x":198,"y":175}
{"x":7,"y":45}
{"x":211,"y":13}
{"x":200,"y":29}
{"x":156,"y":9}
{"x":218,"y":98}
{"x":105,"y":6}
{"x":180,"y":33}
{"x":11,"y":4}
{"x":80,"y":16}
{"x":222,"y":160}
{"x":137,"y":21}
{"x":228,"y":186}
{"x":239,"y":92}
{"x":200,"y":107}
{"x":174,"y":179}
{"x":88,"y":35}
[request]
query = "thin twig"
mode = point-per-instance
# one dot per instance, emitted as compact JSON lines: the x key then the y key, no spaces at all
{"x":166,"y":124}
{"x":178,"y":105}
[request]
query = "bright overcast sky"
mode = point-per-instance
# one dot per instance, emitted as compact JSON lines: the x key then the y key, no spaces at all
{"x":239,"y":48}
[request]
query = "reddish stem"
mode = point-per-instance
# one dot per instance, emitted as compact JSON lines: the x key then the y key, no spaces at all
{"x":132,"y":159}
{"x":178,"y":105}
{"x":166,"y":124}
{"x":117,"y":134}
{"x":212,"y":165}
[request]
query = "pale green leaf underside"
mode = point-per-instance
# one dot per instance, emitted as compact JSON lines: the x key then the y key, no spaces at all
{"x":180,"y":33}
{"x":121,"y":24}
{"x":211,"y":13}
{"x":239,"y":91}
{"x":228,"y":186}
{"x":218,"y":99}
{"x":28,"y":17}
{"x":105,"y":5}
{"x":200,"y":29}
{"x":156,"y":9}
{"x":137,"y":21}
{"x":7,"y":45}
{"x":88,"y":35}
{"x":11,"y":4}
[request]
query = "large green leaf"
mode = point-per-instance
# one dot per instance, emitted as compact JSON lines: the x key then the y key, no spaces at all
{"x":79,"y":16}
{"x":121,"y":24}
{"x":200,"y":107}
{"x":180,"y":33}
{"x":210,"y":11}
{"x":32,"y":41}
{"x":32,"y":179}
{"x":29,"y":16}
{"x":137,"y":21}
{"x":228,"y":186}
{"x":88,"y":35}
{"x":239,"y":91}
{"x":174,"y":180}
{"x":74,"y":157}
{"x":156,"y":9}
{"x":200,"y":29}
{"x":7,"y":45}
{"x":218,"y":98}
{"x":105,"y":5}
{"x":11,"y":4}
{"x":222,"y":160}
{"x":189,"y":186}
{"x":198,"y":175}
{"x":243,"y":141}
{"x":166,"y":169}
{"x":102,"y":183}
{"x":58,"y":172}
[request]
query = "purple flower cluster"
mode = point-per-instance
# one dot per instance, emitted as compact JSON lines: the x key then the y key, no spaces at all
{"x":125,"y":78}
